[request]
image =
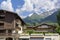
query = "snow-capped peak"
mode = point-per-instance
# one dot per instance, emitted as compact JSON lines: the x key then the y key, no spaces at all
{"x":30,"y":14}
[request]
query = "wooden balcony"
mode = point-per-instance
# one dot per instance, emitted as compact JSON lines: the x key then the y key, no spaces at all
{"x":9,"y":34}
{"x":1,"y":27}
{"x":1,"y":21}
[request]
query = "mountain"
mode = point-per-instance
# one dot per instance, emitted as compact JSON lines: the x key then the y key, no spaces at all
{"x":50,"y":18}
{"x":33,"y":18}
{"x":46,"y":17}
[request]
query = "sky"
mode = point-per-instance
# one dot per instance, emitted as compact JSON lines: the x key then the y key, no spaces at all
{"x":26,"y":8}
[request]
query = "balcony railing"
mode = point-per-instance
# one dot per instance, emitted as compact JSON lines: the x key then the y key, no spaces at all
{"x":1,"y":19}
{"x":9,"y":34}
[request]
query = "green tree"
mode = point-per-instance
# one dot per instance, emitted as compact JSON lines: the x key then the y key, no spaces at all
{"x":58,"y":17}
{"x":58,"y":28}
{"x":34,"y":24}
{"x":28,"y":24}
{"x":58,"y":20}
{"x":30,"y":32}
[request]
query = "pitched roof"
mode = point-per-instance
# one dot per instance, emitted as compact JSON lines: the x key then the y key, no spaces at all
{"x":46,"y":26}
{"x":14,"y":14}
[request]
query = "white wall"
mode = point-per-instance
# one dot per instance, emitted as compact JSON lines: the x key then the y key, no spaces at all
{"x":52,"y":36}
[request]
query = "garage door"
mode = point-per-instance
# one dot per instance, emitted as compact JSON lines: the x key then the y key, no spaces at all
{"x":36,"y":38}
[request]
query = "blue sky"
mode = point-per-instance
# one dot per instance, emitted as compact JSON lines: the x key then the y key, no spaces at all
{"x":25,"y":8}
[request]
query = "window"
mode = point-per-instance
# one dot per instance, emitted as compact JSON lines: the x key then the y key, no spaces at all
{"x":17,"y":24}
{"x":2,"y":31}
{"x":2,"y":17}
{"x":1,"y":25}
{"x":23,"y":39}
{"x":36,"y":38}
{"x":48,"y":39}
{"x":9,"y":31}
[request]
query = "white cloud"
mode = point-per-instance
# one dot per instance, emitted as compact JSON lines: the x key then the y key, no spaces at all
{"x":23,"y":17}
{"x":58,"y":4}
{"x":17,"y":10}
{"x":39,"y":5}
{"x":45,"y":4}
{"x":27,"y":6}
{"x":7,"y":5}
